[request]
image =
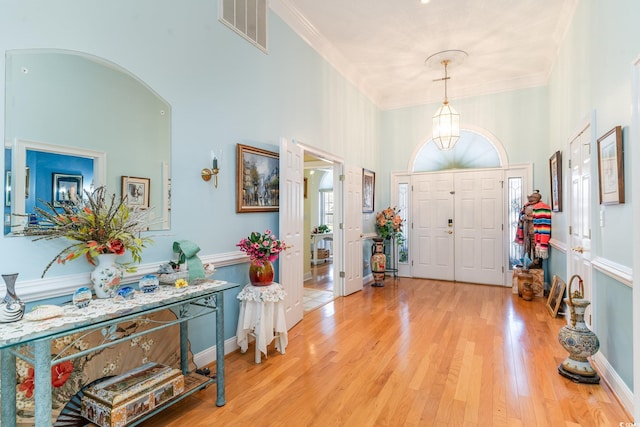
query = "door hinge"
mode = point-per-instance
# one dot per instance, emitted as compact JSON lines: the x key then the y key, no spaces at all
{"x":569,"y":163}
{"x":340,"y":226}
{"x":503,"y":269}
{"x":589,"y":233}
{"x":341,"y":178}
{"x":570,"y":231}
{"x":502,"y":227}
{"x":501,"y":184}
{"x":342,"y":275}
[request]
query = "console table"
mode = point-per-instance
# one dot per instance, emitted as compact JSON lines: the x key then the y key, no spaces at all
{"x":262,"y":315}
{"x":31,"y":340}
{"x":317,"y":238}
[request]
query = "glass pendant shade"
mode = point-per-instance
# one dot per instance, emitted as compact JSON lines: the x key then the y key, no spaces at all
{"x":446,"y":127}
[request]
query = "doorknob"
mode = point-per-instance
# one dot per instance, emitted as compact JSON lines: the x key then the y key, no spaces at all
{"x":578,"y":249}
{"x":448,"y":231}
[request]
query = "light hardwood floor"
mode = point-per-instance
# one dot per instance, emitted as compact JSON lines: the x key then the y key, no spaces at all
{"x":413,"y":353}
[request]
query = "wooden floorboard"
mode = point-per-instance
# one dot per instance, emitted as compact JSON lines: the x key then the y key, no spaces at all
{"x":413,"y":353}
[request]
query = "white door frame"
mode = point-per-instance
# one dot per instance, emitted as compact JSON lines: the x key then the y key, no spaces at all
{"x":580,"y":263}
{"x":634,"y":141}
{"x":338,"y":214}
{"x":524,"y":170}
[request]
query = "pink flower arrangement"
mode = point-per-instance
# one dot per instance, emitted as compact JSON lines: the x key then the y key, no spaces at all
{"x":262,"y":247}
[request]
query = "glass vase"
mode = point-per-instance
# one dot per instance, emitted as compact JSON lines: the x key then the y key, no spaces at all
{"x":261,"y":273}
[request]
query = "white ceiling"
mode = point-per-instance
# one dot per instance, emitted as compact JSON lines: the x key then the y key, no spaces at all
{"x":381,"y":45}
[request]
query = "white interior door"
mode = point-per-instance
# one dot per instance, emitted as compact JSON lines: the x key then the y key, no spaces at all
{"x":478,"y":227}
{"x":579,"y":256}
{"x":457,"y":229}
{"x":291,"y":226}
{"x":353,"y":229}
{"x":432,"y":240}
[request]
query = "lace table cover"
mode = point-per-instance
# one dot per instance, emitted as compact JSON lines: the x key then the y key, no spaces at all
{"x":262,"y":313}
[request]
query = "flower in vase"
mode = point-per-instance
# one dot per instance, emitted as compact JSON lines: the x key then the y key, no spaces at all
{"x":97,"y":224}
{"x":262,"y":247}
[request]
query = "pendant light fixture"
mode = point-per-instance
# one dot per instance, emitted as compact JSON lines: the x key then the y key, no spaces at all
{"x":446,"y":120}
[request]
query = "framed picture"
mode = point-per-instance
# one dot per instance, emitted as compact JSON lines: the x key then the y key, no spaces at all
{"x":135,"y":191}
{"x":368,"y":190}
{"x":7,"y":185}
{"x":555,"y":169}
{"x":257,"y":180}
{"x":555,"y":295}
{"x":66,"y":188}
{"x":611,"y":167}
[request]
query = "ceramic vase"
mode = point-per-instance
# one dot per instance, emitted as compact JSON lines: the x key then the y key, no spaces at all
{"x":11,"y":308}
{"x":525,"y":279}
{"x":106,"y":276}
{"x":578,"y":339}
{"x":261,"y":273}
{"x":378,"y":262}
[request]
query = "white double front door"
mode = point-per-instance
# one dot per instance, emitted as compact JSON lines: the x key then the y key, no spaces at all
{"x":458,"y":226}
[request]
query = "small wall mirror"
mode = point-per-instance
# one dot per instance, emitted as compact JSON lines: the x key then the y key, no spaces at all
{"x":77,"y":120}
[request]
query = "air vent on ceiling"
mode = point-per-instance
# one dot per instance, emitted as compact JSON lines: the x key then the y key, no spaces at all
{"x":248,"y":18}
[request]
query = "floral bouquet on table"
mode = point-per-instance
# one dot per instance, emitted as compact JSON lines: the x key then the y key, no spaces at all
{"x":262,"y":247}
{"x":389,"y":224}
{"x":97,"y":224}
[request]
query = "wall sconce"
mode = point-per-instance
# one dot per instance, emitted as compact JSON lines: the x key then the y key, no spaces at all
{"x":206,"y":173}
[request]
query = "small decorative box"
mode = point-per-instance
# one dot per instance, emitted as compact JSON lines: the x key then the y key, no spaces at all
{"x":82,"y":297}
{"x":121,"y":400}
{"x":148,"y":283}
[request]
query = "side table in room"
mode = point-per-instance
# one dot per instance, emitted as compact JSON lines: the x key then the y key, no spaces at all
{"x":262,"y":316}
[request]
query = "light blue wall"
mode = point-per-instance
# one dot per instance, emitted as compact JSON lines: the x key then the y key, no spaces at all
{"x":593,"y":76}
{"x":518,"y":119}
{"x":222,"y":91}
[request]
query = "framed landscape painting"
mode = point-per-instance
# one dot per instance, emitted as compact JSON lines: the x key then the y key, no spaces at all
{"x":257,"y":180}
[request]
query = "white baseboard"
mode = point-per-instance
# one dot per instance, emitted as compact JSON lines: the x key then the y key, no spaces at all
{"x":367,"y":279}
{"x":208,"y":356}
{"x":307,"y":276}
{"x":611,"y":377}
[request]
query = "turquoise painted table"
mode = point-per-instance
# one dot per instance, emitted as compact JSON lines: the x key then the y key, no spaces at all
{"x":31,"y":340}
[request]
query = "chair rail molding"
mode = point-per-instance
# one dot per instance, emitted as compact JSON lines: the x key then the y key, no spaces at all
{"x":621,"y":273}
{"x":559,"y":245}
{"x":66,"y":285}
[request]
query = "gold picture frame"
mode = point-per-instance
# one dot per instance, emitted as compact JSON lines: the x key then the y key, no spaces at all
{"x":257,"y":180}
{"x":611,"y":167}
{"x":556,"y":295}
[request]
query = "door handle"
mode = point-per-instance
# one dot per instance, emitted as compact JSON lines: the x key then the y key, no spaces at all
{"x":448,"y":231}
{"x":578,"y":249}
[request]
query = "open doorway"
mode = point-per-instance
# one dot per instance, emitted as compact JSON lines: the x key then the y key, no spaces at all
{"x":319,"y":222}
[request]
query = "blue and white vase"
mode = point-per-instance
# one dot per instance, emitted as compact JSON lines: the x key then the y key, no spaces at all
{"x":106,"y":276}
{"x":11,"y":308}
